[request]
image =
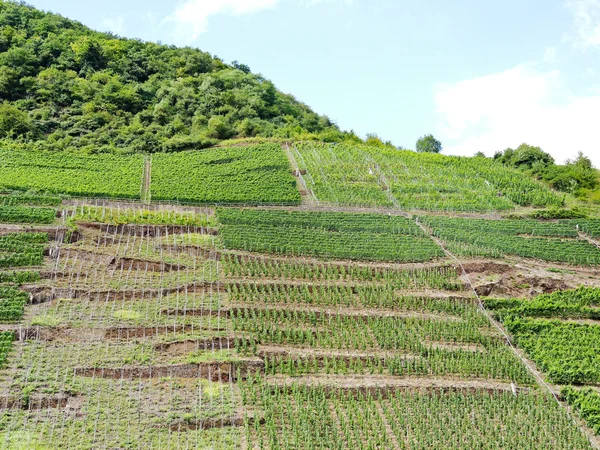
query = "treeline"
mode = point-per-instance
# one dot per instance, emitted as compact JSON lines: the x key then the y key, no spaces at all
{"x":66,"y":87}
{"x":577,"y":176}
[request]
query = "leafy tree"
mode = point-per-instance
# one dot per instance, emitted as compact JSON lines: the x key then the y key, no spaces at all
{"x":219,"y":128}
{"x":576,"y":177}
{"x":243,"y":67}
{"x":71,"y":88}
{"x":429,"y":144}
{"x":14,"y":123}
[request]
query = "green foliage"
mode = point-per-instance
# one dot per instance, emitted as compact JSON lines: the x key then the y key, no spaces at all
{"x":569,"y":353}
{"x":115,"y":216}
{"x":12,"y":304}
{"x":6,"y":340}
{"x":559,"y":213}
{"x":427,"y":419}
{"x":436,"y":277}
{"x":525,"y":157}
{"x":14,"y":123}
{"x":575,"y":177}
{"x":590,"y":227}
{"x":22,"y":249}
{"x":30,"y":199}
{"x":586,"y":402}
{"x":581,"y":303}
{"x":74,"y":174}
{"x":68,"y":87}
{"x":257,"y":175}
{"x":352,"y":236}
{"x":428,"y":144}
{"x":19,"y":278}
{"x":548,"y":241}
{"x":364,"y":176}
{"x":24,"y":214}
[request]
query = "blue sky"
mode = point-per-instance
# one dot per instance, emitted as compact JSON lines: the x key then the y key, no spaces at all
{"x":479,"y":75}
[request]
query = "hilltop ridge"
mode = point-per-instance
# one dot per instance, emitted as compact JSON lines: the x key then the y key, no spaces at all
{"x":67,"y":87}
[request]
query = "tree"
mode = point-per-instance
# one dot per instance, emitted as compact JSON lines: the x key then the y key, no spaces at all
{"x":14,"y":123}
{"x":429,"y":144}
{"x":525,"y":157}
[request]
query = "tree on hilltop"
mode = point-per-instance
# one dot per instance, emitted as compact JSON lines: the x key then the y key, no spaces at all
{"x":429,"y":144}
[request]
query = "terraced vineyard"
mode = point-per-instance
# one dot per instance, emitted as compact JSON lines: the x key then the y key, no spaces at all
{"x":363,"y":176}
{"x":245,"y":175}
{"x":130,"y":326}
{"x":148,"y":328}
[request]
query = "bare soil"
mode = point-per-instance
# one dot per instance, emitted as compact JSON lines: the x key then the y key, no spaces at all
{"x":386,"y":385}
{"x":213,"y":371}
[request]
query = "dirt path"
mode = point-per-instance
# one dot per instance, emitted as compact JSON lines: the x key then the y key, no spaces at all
{"x":146,"y":196}
{"x":362,"y":383}
{"x":308,"y":196}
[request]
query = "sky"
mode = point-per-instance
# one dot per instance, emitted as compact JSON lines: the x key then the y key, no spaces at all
{"x":478,"y":75}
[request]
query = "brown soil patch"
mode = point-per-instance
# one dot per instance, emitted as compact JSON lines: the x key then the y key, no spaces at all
{"x":217,"y":422}
{"x":147,"y":265}
{"x":455,"y":346}
{"x":335,"y":313}
{"x":386,"y":385}
{"x":197,"y":312}
{"x":213,"y":371}
{"x":45,"y":294}
{"x":294,"y":353}
{"x":486,"y":267}
{"x":148,"y":230}
{"x":190,"y":345}
{"x":125,"y":333}
{"x":39,"y":402}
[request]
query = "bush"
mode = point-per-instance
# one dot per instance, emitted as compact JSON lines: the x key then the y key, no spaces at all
{"x":188,"y":142}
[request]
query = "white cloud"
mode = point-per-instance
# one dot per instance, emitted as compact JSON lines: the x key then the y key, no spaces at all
{"x":522,"y":104}
{"x":114,"y":24}
{"x":586,"y":23}
{"x":190,"y":18}
{"x":549,"y":55}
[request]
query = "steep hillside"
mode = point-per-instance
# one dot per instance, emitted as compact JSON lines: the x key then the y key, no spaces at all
{"x":65,"y":86}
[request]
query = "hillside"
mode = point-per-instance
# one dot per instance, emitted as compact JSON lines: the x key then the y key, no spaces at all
{"x":272,"y":294}
{"x":64,"y":86}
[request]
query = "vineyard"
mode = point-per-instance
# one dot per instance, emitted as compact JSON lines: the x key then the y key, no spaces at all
{"x":153,"y":325}
{"x":561,"y":333}
{"x":244,"y":175}
{"x":363,"y":176}
{"x":77,"y":175}
{"x":353,"y":236}
{"x":248,"y":175}
{"x":547,"y":241}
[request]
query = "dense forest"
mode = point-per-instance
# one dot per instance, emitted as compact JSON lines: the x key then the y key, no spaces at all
{"x":64,"y":86}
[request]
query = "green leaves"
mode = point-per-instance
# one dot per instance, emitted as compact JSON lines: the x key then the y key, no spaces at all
{"x":12,"y":304}
{"x":348,"y":236}
{"x":250,"y":175}
{"x":65,"y":173}
{"x":356,"y":175}
{"x":23,"y":214}
{"x":22,"y":249}
{"x":6,"y":340}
